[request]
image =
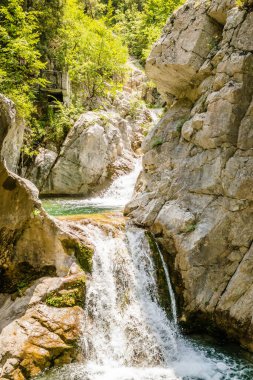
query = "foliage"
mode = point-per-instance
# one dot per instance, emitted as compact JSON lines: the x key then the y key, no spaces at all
{"x":157,"y":141}
{"x":140,"y":23}
{"x":49,"y":15}
{"x":88,"y":38}
{"x":50,"y":128}
{"x":20,"y":60}
{"x":93,"y":55}
{"x":61,"y":118}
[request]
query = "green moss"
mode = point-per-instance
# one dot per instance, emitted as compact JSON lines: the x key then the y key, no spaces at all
{"x":64,"y":300}
{"x":191,"y":227}
{"x":72,"y":295}
{"x":157,"y":141}
{"x":82,"y":253}
{"x":84,"y":257}
{"x":21,"y":277}
{"x":180,"y":124}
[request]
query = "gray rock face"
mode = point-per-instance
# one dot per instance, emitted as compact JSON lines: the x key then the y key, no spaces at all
{"x":97,"y":146}
{"x":196,"y":189}
{"x":11,"y":133}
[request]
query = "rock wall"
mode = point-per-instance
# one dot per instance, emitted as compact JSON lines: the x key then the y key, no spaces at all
{"x":196,"y":189}
{"x":42,"y":276}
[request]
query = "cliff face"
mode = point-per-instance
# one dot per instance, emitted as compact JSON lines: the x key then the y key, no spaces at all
{"x":196,"y":189}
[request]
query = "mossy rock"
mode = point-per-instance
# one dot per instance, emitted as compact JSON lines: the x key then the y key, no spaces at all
{"x":73,"y":294}
{"x":83,"y":253}
{"x":17,"y":279}
{"x":163,"y":290}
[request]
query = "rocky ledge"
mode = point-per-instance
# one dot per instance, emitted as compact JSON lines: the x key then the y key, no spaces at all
{"x":196,"y":189}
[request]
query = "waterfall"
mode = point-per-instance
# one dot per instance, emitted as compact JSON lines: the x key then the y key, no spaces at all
{"x":126,"y":332}
{"x":125,"y":326}
{"x":171,"y":292}
{"x":119,"y":193}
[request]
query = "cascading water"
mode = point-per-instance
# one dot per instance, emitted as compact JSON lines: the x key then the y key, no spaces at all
{"x":125,"y":325}
{"x":114,"y":198}
{"x":126,"y":333}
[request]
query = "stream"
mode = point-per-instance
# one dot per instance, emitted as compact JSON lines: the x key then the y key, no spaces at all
{"x":127,"y":335}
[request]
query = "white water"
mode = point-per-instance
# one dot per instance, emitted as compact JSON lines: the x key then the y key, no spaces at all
{"x":114,"y":198}
{"x":120,"y":192}
{"x":127,"y":335}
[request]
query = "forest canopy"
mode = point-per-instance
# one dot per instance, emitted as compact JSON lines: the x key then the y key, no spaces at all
{"x":90,"y":40}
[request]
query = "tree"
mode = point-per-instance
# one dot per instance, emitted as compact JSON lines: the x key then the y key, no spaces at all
{"x":93,"y":55}
{"x":140,"y":22}
{"x":20,"y":59}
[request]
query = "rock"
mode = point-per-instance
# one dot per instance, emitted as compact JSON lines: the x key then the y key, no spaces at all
{"x":42,"y":337}
{"x":39,"y":172}
{"x":11,"y":133}
{"x":177,"y":57}
{"x":32,"y":243}
{"x":40,"y":318}
{"x":100,"y":146}
{"x":195,"y":190}
{"x":88,"y":155}
{"x":219,"y":10}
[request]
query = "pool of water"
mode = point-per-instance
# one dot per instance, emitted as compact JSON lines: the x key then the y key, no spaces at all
{"x":211,"y":361}
{"x":220,"y":364}
{"x":113,"y":199}
{"x":66,"y":207}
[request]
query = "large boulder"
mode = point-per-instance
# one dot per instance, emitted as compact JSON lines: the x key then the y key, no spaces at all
{"x":90,"y":154}
{"x":46,"y":332}
{"x":196,"y":189}
{"x":100,"y":146}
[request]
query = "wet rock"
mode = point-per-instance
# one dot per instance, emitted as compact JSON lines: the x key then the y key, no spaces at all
{"x":43,"y":336}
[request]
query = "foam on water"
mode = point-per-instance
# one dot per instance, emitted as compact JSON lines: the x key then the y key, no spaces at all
{"x":121,"y":190}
